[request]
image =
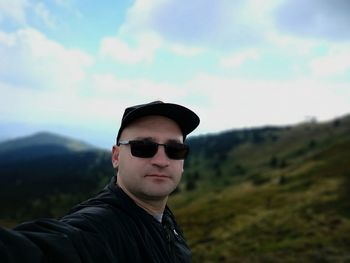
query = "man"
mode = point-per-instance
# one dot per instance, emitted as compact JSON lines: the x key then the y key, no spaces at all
{"x":128,"y":221}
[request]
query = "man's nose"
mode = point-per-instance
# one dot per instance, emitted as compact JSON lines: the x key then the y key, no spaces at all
{"x":161,"y":158}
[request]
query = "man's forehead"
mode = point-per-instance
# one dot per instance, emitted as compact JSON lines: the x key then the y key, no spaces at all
{"x":150,"y":126}
{"x":149,"y":120}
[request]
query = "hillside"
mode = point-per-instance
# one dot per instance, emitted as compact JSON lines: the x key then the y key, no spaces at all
{"x":284,"y":197}
{"x":265,"y":194}
{"x":42,"y":174}
{"x":39,"y":144}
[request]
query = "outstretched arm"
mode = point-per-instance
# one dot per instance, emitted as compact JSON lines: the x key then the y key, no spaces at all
{"x":50,"y":240}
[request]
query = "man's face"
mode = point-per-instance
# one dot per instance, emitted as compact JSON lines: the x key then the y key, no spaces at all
{"x":151,"y":178}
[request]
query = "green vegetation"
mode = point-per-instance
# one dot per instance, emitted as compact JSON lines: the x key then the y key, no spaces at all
{"x":48,"y":185}
{"x":272,"y":194}
{"x":288,"y":200}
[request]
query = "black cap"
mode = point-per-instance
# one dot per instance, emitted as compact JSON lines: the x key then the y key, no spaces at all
{"x":184,"y":117}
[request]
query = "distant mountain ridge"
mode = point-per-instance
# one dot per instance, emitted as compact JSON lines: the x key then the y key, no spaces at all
{"x":44,"y":138}
{"x":269,"y":195}
{"x":48,"y":166}
{"x":250,"y":195}
{"x":40,"y":145}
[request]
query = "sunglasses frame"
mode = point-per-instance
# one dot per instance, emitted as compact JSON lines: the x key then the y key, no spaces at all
{"x":168,"y":148}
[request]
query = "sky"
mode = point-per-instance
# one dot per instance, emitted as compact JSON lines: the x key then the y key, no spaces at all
{"x":73,"y":66}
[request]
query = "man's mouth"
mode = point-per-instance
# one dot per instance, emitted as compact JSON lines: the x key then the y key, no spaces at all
{"x":157,"y":176}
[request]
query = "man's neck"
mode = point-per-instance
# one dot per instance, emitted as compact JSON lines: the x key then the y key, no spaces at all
{"x":151,"y":206}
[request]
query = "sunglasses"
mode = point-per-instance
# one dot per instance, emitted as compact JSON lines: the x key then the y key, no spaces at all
{"x":147,"y":149}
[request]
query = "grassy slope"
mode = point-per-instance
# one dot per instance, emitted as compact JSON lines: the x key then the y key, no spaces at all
{"x":299,"y":213}
{"x":291,"y":203}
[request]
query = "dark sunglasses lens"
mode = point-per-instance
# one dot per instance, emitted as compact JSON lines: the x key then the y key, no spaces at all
{"x":143,"y":149}
{"x":177,"y":151}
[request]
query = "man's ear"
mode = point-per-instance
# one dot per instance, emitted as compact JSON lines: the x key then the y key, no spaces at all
{"x":115,"y":156}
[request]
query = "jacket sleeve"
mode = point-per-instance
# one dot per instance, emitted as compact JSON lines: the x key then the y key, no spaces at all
{"x":48,"y":240}
{"x":15,"y":247}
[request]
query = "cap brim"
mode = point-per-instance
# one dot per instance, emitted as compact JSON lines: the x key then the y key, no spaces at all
{"x":184,"y":117}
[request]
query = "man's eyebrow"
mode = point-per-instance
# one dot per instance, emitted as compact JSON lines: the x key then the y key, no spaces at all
{"x":174,"y":141}
{"x":144,"y":138}
{"x":153,"y":139}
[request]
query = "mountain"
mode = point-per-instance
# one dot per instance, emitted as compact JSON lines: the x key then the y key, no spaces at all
{"x":270,"y":194}
{"x":261,"y":194}
{"x":38,"y":169}
{"x":39,"y":144}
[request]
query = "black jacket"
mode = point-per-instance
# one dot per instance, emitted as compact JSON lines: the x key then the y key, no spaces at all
{"x":107,"y":228}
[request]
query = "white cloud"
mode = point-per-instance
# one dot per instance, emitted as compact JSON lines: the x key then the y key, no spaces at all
{"x":44,"y":80}
{"x":7,"y":39}
{"x":235,"y":25}
{"x":293,"y":44}
{"x":143,"y":51}
{"x":14,"y":10}
{"x":185,"y":51}
{"x":30,"y":58}
{"x":189,"y":30}
{"x":43,"y":12}
{"x":213,"y":24}
{"x":138,"y":16}
{"x":335,"y":63}
{"x":110,"y":86}
{"x":237,"y":103}
{"x":322,"y":19}
{"x":238,"y":59}
{"x":105,"y":103}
